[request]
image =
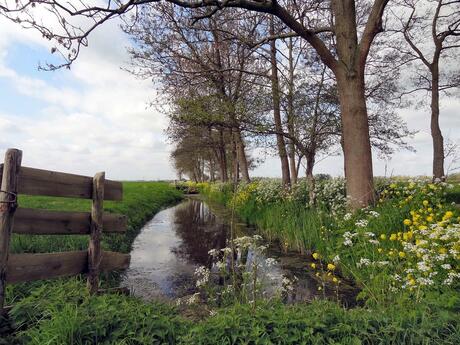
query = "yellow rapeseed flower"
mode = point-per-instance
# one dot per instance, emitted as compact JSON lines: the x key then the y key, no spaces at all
{"x":393,"y":237}
{"x":315,"y":256}
{"x":407,"y":222}
{"x":402,"y":254}
{"x":429,"y":219}
{"x":383,"y":237}
{"x":449,"y":214}
{"x":331,"y":267}
{"x":313,"y":265}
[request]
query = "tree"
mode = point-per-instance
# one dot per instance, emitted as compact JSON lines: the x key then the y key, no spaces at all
{"x":438,"y":20}
{"x":312,"y":21}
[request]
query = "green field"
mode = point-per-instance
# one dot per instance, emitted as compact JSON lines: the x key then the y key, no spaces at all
{"x":141,"y":200}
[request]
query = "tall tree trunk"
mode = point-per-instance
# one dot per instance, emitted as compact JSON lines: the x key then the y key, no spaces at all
{"x":310,"y":158}
{"x":242,"y":159}
{"x":235,"y":165}
{"x":290,"y":116}
{"x":438,"y":140}
{"x":277,"y":110}
{"x":222,"y":157}
{"x":349,"y":72}
{"x":356,"y":141}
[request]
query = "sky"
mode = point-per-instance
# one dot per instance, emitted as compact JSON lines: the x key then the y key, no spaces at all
{"x":96,"y":116}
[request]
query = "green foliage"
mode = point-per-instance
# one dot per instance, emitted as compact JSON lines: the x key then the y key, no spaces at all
{"x":64,"y":313}
{"x":325,"y":322}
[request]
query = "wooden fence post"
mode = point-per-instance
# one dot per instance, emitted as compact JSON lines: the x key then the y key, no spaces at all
{"x":94,"y":249}
{"x":8,"y":205}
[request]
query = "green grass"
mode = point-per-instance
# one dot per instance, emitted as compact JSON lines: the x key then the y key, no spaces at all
{"x":141,"y":200}
{"x":324,"y":322}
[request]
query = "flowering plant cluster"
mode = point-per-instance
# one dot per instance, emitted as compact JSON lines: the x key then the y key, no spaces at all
{"x":240,"y":272}
{"x":420,"y":247}
{"x":329,"y":194}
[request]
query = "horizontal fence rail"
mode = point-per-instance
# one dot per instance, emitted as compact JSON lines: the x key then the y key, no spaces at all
{"x":30,"y":267}
{"x":43,"y":222}
{"x":53,"y":183}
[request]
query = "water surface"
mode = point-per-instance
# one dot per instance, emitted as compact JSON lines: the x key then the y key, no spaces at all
{"x":177,"y":240}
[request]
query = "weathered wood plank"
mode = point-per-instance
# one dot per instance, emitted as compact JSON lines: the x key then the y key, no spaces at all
{"x":44,"y":222}
{"x":30,"y":267}
{"x":52,"y":183}
{"x":8,"y":204}
{"x":94,"y":247}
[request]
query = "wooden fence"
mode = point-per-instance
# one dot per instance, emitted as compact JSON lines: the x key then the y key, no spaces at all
{"x":15,"y":268}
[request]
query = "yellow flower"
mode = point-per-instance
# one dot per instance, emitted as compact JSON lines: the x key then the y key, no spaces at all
{"x":380,"y":250}
{"x":402,"y":254}
{"x":330,"y":267}
{"x":449,"y":214}
{"x":315,"y":256}
{"x":422,"y":227}
{"x":383,"y":237}
{"x":425,"y":203}
{"x":313,"y":265}
{"x":407,"y":222}
{"x":442,"y":250}
{"x":335,"y":280}
{"x":412,"y":282}
{"x":429,"y":219}
{"x":393,"y":185}
{"x":393,"y":237}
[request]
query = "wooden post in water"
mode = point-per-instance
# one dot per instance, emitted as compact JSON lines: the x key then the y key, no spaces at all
{"x":8,"y":205}
{"x":94,"y":249}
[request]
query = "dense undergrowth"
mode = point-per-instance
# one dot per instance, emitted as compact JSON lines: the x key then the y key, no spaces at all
{"x":62,"y":312}
{"x":404,"y":253}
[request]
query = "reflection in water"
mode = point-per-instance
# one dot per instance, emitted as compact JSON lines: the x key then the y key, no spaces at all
{"x":177,"y":240}
{"x":170,"y":247}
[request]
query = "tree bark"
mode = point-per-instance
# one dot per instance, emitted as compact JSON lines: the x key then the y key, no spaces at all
{"x":277,"y":111}
{"x":310,"y":158}
{"x":223,"y":157}
{"x":436,"y":134}
{"x":242,"y":159}
{"x":356,"y":141}
{"x":290,"y":116}
{"x":349,"y":73}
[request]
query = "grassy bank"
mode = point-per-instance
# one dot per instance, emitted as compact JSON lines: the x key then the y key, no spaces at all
{"x":141,"y":200}
{"x":403,"y":253}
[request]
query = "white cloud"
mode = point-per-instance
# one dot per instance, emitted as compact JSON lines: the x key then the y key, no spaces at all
{"x":100,"y":122}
